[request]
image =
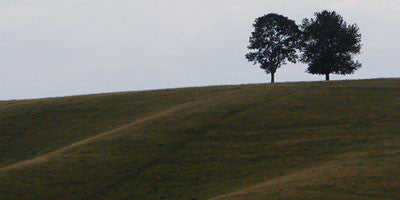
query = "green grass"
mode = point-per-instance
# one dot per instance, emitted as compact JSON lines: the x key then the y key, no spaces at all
{"x":336,"y":140}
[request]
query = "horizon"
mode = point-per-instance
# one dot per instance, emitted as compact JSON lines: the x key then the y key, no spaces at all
{"x":201,"y":86}
{"x":71,"y":48}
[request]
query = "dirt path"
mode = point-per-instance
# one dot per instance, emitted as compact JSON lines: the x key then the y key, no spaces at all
{"x":16,"y":103}
{"x":47,"y":157}
{"x":264,"y":186}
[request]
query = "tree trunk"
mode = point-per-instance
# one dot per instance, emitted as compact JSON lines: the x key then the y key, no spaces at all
{"x":273,"y":77}
{"x":327,"y":77}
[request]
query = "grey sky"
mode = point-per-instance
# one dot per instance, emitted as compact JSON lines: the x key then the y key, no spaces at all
{"x":68,"y":47}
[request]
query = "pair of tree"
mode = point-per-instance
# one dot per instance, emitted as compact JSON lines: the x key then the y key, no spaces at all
{"x":326,"y":43}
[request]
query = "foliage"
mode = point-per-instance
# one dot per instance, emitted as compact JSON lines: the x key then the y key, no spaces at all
{"x":329,"y":44}
{"x":273,"y":41}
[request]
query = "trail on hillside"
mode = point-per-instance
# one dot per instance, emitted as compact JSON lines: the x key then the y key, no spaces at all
{"x":307,"y":173}
{"x":51,"y":155}
{"x":312,"y":175}
{"x":14,"y":104}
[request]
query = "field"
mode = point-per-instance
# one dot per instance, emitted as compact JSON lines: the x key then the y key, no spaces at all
{"x":309,"y":140}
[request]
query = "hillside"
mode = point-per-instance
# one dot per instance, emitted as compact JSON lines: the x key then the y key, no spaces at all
{"x":311,"y":140}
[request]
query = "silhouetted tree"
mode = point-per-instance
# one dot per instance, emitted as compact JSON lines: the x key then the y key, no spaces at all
{"x":329,"y":44}
{"x":273,"y":41}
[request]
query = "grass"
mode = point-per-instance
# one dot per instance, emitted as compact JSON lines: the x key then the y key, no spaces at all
{"x":336,"y":140}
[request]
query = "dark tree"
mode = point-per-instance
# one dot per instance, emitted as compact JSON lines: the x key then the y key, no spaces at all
{"x":273,"y":42}
{"x":329,"y":45}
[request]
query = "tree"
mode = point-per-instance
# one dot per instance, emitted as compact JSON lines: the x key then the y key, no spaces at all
{"x":329,"y":45}
{"x":273,"y":41}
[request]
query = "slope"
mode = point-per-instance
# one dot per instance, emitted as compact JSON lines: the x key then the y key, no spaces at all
{"x":31,"y":128}
{"x":292,"y":140}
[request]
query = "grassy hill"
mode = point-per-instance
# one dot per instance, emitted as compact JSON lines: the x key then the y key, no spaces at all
{"x":316,"y":140}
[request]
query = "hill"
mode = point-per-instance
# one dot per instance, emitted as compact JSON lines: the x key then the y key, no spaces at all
{"x":311,"y":140}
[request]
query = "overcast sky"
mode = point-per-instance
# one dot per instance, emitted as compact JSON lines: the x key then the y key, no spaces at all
{"x":68,"y":47}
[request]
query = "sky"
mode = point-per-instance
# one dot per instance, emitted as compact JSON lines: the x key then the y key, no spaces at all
{"x":69,"y":47}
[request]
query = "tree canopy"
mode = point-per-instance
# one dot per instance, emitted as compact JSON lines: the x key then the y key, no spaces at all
{"x":273,"y":42}
{"x":329,"y":45}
